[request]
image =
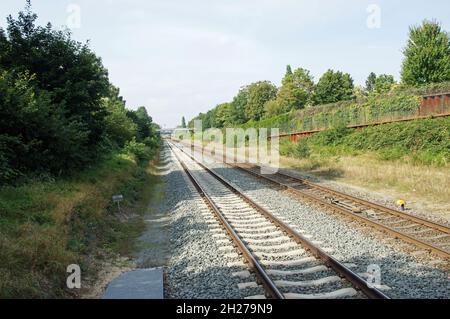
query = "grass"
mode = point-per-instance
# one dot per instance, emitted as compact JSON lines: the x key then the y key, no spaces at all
{"x":423,"y":142}
{"x":410,"y":160}
{"x":47,"y":225}
{"x":415,"y":182}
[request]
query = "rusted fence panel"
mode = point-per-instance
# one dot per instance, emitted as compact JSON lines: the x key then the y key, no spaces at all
{"x":437,"y":105}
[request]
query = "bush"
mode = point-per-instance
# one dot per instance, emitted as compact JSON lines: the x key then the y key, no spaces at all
{"x":138,"y":150}
{"x":286,"y":148}
{"x":58,"y":111}
{"x":331,"y":137}
{"x":302,"y":150}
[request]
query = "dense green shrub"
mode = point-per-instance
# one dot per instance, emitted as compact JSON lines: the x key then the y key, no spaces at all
{"x":301,"y":150}
{"x":58,"y":111}
{"x":425,"y":141}
{"x":36,"y":135}
{"x":286,"y":148}
{"x":139,"y":150}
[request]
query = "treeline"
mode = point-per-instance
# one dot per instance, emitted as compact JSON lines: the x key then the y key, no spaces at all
{"x":426,"y":61}
{"x":58,"y":110}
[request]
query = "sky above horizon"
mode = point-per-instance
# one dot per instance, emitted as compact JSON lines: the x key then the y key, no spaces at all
{"x":179,"y":58}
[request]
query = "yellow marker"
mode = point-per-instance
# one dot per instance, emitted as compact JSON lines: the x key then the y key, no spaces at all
{"x":401,"y":202}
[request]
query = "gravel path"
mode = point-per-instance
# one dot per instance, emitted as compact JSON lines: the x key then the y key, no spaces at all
{"x":400,"y":272}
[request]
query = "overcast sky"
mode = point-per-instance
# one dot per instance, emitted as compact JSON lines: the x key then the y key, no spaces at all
{"x":182,"y":57}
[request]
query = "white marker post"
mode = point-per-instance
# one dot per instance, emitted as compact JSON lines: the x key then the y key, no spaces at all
{"x":117,"y":199}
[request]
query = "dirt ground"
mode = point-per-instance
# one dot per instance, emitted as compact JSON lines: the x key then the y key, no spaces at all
{"x":151,"y":251}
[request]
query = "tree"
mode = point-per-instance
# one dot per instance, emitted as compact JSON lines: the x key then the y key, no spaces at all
{"x":64,"y":81}
{"x":333,"y":87}
{"x":58,"y":110}
{"x":370,"y":82}
{"x":383,"y":83}
{"x":296,"y":90}
{"x":379,"y":84}
{"x":237,"y":109}
{"x":183,"y":122}
{"x":288,"y":73}
{"x":35,"y":134}
{"x":273,"y":108}
{"x":144,"y":123}
{"x":258,"y":94}
{"x":426,"y":55}
{"x":120,"y":128}
{"x":73,"y":73}
{"x":222,"y":115}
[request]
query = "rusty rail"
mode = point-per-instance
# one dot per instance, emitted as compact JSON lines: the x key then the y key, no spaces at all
{"x":334,"y":204}
{"x":269,"y":286}
{"x":356,"y":280}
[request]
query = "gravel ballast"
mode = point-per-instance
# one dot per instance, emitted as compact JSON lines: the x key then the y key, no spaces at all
{"x":400,"y":272}
{"x":198,"y":267}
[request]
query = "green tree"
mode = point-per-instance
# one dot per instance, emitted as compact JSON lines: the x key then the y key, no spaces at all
{"x":426,"y":55}
{"x":258,"y":94}
{"x":60,"y":120}
{"x":296,"y":90}
{"x":35,"y":135}
{"x":237,"y":109}
{"x":68,"y":69}
{"x":383,"y":83}
{"x":333,"y":87}
{"x":144,"y":123}
{"x":120,"y":128}
{"x":222,"y":115}
{"x":58,"y":110}
{"x":273,"y":108}
{"x":370,"y":82}
{"x":288,"y":73}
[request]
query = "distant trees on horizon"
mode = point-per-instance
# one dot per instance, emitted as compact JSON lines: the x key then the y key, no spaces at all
{"x":426,"y":61}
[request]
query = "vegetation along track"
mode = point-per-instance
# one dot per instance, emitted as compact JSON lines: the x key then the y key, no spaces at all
{"x":271,"y":248}
{"x":421,"y":232}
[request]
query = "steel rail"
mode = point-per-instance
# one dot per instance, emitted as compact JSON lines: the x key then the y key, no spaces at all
{"x":364,"y":202}
{"x":416,"y":241}
{"x":356,"y":280}
{"x":349,"y":212}
{"x":268,"y":284}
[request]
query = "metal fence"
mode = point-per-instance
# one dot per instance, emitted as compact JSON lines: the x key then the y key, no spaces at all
{"x":360,"y":116}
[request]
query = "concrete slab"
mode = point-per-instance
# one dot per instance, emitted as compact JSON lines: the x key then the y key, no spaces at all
{"x":138,"y":284}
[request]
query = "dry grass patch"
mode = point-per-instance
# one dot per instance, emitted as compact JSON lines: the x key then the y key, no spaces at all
{"x":401,"y":179}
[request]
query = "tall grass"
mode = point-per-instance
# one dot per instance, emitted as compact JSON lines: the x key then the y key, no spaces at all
{"x":423,"y":142}
{"x":412,"y":157}
{"x":47,"y":225}
{"x":403,"y":178}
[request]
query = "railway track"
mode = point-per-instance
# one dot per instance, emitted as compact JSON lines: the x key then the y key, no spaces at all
{"x":425,"y":234}
{"x":280,"y":257}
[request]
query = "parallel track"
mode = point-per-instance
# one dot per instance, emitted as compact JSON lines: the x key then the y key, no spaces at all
{"x":252,"y":229}
{"x":415,"y":230}
{"x":428,"y":235}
